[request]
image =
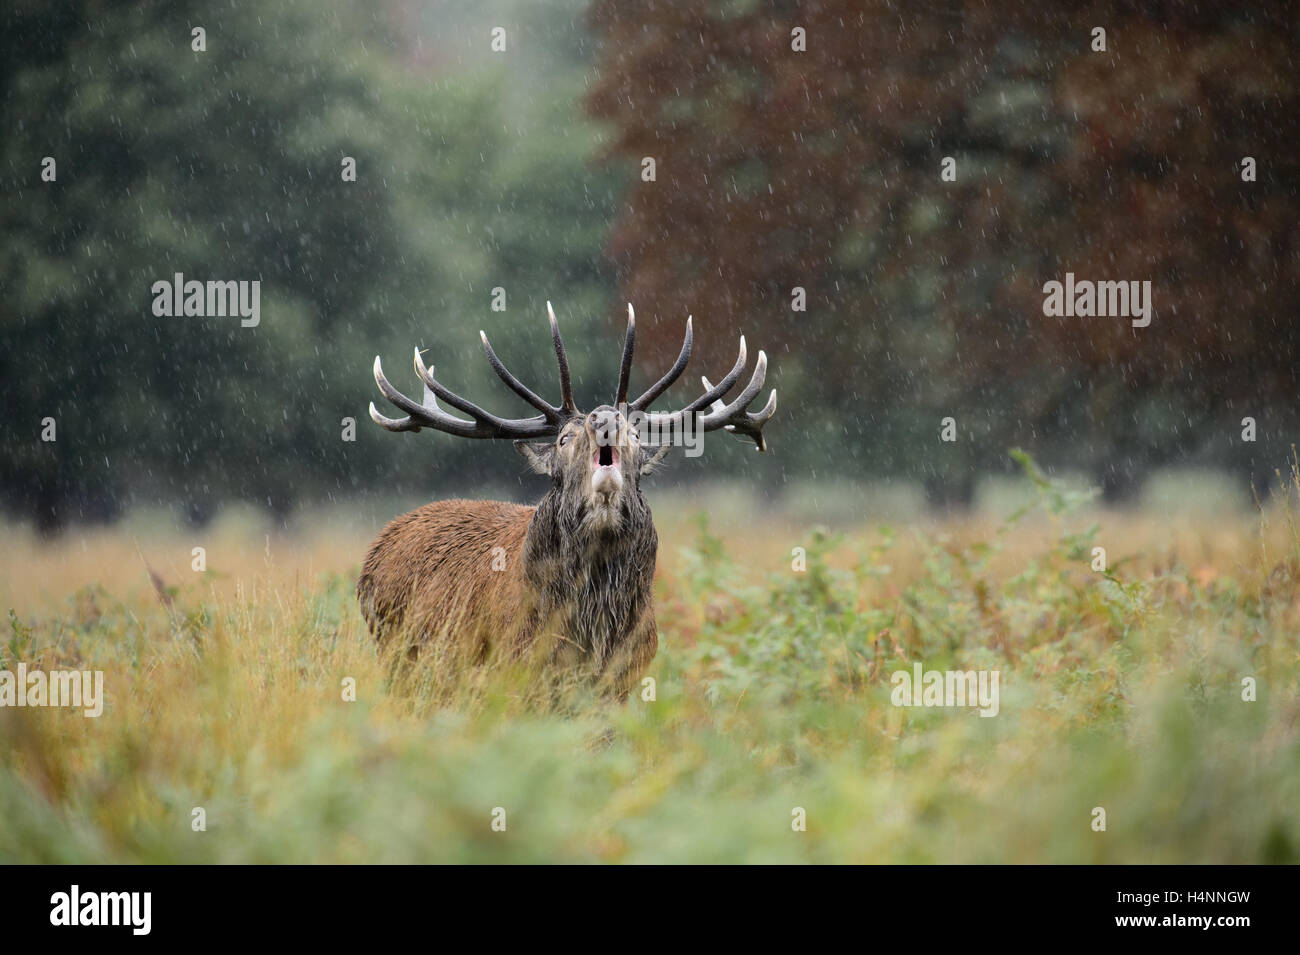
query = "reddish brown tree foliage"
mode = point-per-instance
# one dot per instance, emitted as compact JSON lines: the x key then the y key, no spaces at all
{"x":821,"y":169}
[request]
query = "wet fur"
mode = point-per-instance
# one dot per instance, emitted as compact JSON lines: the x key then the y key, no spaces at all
{"x":576,"y":587}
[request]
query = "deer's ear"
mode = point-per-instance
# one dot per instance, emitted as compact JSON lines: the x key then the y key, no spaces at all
{"x":540,"y":457}
{"x":650,"y":463}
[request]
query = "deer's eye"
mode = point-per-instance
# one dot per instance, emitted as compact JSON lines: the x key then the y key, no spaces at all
{"x":566,"y":438}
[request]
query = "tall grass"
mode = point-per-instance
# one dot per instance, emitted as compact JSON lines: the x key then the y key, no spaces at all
{"x":1119,"y":689}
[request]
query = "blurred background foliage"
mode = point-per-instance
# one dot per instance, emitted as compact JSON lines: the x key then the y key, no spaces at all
{"x":521,"y":170}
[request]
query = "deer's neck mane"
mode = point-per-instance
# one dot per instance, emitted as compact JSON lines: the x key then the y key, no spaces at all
{"x":593,"y":583}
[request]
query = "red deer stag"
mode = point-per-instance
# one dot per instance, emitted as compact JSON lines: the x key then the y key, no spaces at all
{"x":570,"y":578}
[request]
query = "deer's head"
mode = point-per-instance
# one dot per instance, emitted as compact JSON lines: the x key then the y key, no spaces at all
{"x":595,"y":460}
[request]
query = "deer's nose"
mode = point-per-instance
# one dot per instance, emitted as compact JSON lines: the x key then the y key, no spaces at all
{"x":605,"y":426}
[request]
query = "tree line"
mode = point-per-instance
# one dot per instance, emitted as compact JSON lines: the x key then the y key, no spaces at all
{"x":875,"y":195}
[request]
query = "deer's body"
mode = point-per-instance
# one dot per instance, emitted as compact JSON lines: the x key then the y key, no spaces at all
{"x":568,"y":581}
{"x":433,"y":566}
{"x":500,"y":577}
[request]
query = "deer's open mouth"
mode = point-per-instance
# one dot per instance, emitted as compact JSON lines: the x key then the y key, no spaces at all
{"x":606,"y":457}
{"x":606,"y":478}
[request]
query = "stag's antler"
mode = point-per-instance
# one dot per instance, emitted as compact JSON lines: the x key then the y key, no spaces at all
{"x":734,"y":417}
{"x":429,"y":414}
{"x":675,"y":372}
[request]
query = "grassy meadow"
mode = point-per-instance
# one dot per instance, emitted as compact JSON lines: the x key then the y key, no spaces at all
{"x":1119,"y":689}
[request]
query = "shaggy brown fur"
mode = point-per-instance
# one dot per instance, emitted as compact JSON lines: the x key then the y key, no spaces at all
{"x":570,"y":578}
{"x":415,"y":574}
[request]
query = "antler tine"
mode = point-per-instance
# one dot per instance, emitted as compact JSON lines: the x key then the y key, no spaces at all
{"x":566,"y":387}
{"x":710,"y":395}
{"x":752,"y":423}
{"x":663,"y":384}
{"x":393,"y":424}
{"x":728,"y":380}
{"x":508,"y":427}
{"x":733,"y":417}
{"x":625,"y":370}
{"x":449,"y":396}
{"x":752,"y":426}
{"x":523,"y":391}
{"x":429,"y":408}
{"x":429,"y":415}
